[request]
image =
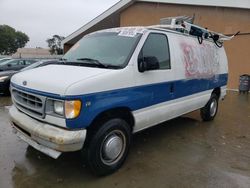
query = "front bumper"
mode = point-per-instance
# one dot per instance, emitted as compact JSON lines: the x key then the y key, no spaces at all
{"x":44,"y":137}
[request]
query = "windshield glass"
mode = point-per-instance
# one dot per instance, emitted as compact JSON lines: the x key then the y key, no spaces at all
{"x":105,"y":48}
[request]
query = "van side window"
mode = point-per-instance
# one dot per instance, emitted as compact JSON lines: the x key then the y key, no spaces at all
{"x":156,"y":46}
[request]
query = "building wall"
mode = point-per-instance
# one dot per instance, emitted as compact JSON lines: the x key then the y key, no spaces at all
{"x":34,"y":53}
{"x":66,"y":47}
{"x":224,"y":20}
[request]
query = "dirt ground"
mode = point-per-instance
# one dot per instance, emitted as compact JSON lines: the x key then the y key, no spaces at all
{"x":184,"y":152}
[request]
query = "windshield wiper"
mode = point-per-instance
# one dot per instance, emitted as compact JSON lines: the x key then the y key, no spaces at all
{"x":89,"y":62}
{"x":64,"y":61}
{"x":95,"y":61}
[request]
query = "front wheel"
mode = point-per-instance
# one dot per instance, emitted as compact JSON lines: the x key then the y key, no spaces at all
{"x":209,"y":111}
{"x":108,"y":147}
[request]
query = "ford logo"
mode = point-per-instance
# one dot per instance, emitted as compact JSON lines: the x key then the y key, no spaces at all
{"x":24,"y":83}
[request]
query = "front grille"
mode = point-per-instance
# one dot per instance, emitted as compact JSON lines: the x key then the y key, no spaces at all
{"x":29,"y":103}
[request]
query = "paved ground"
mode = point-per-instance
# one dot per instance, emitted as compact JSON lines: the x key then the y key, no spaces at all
{"x":184,"y":152}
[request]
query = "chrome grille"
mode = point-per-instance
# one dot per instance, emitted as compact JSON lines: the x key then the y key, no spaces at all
{"x":29,"y":103}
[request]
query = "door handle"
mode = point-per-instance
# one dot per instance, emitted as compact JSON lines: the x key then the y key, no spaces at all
{"x":171,"y":88}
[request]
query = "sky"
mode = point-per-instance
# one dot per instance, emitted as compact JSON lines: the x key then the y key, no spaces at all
{"x":41,"y":19}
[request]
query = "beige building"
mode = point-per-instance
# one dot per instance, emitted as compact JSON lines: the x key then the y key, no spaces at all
{"x":39,"y":53}
{"x":226,"y":17}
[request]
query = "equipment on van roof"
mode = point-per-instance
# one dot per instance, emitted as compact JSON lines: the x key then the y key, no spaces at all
{"x":184,"y":24}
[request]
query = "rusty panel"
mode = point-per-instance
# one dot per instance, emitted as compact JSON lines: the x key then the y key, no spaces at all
{"x":225,"y":20}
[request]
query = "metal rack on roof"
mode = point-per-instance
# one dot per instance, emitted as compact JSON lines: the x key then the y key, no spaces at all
{"x":184,"y":24}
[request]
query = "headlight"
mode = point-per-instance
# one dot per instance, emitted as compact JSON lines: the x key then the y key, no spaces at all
{"x":72,"y":109}
{"x":3,"y":78}
{"x":59,"y":107}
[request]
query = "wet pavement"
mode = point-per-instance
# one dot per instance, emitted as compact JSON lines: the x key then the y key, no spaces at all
{"x":184,"y":152}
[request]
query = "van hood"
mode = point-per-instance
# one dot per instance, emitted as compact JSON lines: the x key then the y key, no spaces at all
{"x":55,"y":79}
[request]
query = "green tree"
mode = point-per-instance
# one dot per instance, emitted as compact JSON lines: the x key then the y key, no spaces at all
{"x":55,"y":44}
{"x":11,"y":40}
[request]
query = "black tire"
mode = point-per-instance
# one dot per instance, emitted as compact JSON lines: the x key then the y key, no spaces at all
{"x":209,"y":111}
{"x":104,"y":152}
{"x":6,"y":92}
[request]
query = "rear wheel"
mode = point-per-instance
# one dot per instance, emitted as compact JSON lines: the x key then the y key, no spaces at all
{"x":209,"y":111}
{"x":108,"y":147}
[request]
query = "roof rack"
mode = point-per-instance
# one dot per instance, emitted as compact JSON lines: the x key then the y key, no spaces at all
{"x":184,"y":24}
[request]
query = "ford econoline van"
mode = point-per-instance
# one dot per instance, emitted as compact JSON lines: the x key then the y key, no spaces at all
{"x":113,"y":83}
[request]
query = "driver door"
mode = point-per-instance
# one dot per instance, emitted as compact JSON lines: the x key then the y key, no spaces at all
{"x":157,"y":85}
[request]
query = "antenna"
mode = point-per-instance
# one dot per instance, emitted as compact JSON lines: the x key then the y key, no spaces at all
{"x":184,"y":24}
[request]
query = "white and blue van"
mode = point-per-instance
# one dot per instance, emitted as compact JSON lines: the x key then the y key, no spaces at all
{"x":113,"y":83}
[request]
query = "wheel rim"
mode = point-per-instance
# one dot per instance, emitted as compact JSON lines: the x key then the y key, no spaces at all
{"x":213,"y":107}
{"x":113,"y":147}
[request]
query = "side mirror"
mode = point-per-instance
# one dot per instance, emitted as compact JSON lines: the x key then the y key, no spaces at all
{"x":9,"y":65}
{"x":148,"y":63}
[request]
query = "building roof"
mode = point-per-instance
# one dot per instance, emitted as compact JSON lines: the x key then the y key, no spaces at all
{"x":243,"y":4}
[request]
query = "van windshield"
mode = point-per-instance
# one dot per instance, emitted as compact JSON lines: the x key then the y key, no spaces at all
{"x":104,"y":49}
